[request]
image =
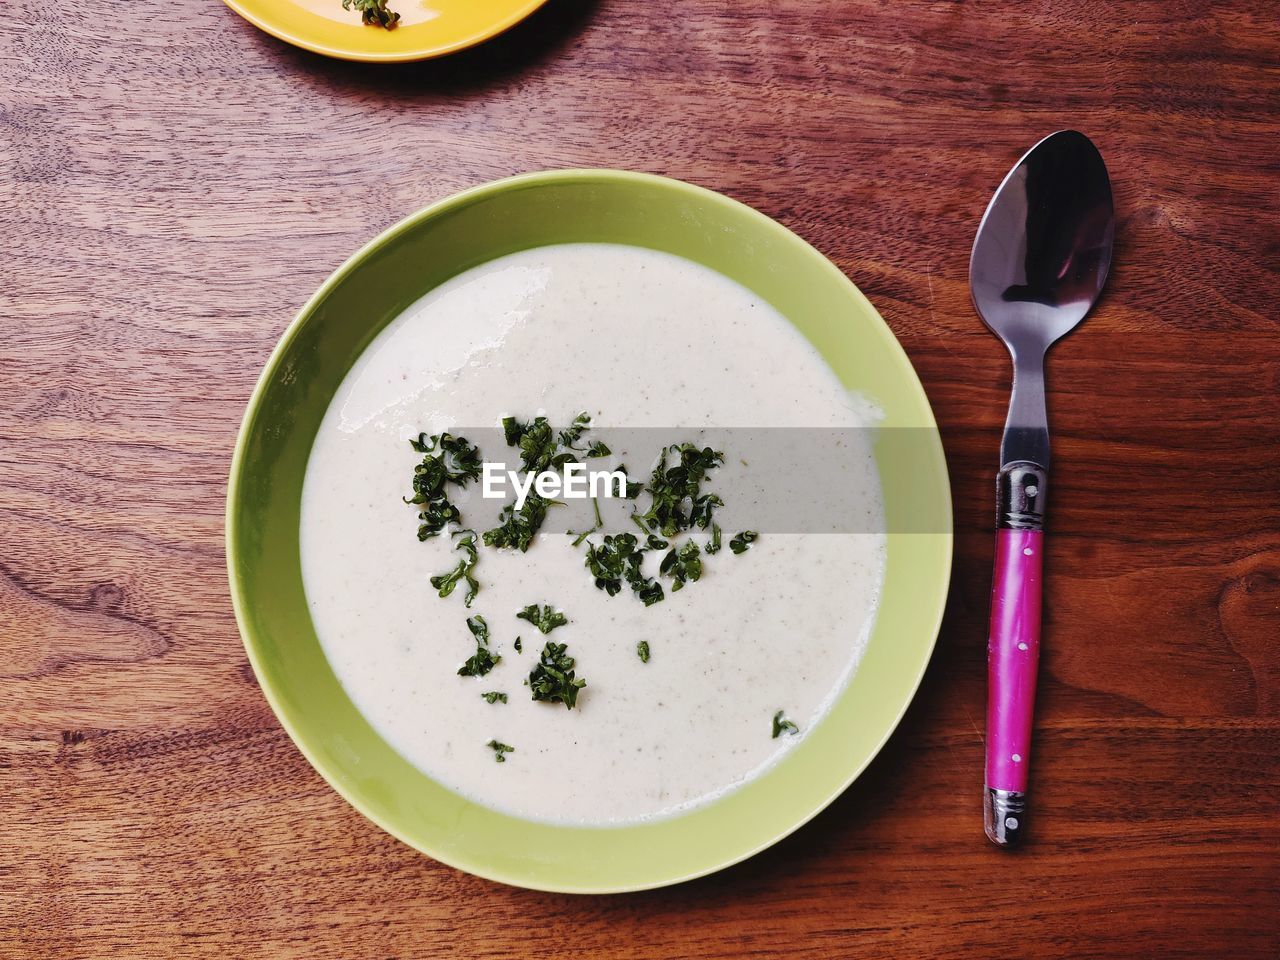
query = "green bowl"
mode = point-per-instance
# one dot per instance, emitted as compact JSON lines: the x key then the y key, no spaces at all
{"x":388,"y":275}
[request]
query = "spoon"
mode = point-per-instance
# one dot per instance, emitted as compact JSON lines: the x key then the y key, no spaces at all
{"x":1039,"y":263}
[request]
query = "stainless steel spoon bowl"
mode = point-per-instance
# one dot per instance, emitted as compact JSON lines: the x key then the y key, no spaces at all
{"x":1039,"y":262}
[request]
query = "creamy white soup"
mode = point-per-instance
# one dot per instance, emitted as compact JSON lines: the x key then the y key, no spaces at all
{"x":741,"y":664}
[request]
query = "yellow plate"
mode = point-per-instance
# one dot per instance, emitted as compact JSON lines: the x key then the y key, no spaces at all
{"x":427,"y":28}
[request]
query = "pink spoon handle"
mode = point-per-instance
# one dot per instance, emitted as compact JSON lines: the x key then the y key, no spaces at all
{"x":1013,"y":652}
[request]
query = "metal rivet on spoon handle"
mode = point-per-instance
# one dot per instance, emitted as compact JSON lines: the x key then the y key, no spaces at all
{"x":1039,"y":263}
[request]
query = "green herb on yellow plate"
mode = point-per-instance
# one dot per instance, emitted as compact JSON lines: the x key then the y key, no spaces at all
{"x":373,"y":13}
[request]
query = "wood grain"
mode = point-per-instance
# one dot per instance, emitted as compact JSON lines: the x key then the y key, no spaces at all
{"x":174,"y":184}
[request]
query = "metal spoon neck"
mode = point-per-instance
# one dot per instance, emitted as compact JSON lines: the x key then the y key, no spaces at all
{"x":1026,"y":431}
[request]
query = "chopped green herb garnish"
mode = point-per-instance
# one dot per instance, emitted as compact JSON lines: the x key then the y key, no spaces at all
{"x":642,"y":651}
{"x":451,"y":458}
{"x":608,"y":562}
{"x":649,"y":590}
{"x":512,"y":430}
{"x":595,"y":505}
{"x":538,"y":445}
{"x":373,"y":13}
{"x":446,"y":460}
{"x":544,"y":617}
{"x":552,"y":679}
{"x":634,"y":487}
{"x":494,"y":696}
{"x":619,"y":558}
{"x":683,"y":565}
{"x":445,"y":582}
{"x":700,"y":512}
{"x":435,"y":516}
{"x":646,"y":589}
{"x":541,"y":448}
{"x":517,"y":528}
{"x":676,"y":491}
{"x":484,"y":659}
{"x":500,"y":750}
{"x":519,"y":645}
{"x":479,"y":663}
{"x":677,"y":504}
{"x":781,"y":724}
{"x":570,"y":436}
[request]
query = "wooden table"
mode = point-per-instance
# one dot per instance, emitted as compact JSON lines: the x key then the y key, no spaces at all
{"x":176,"y":183}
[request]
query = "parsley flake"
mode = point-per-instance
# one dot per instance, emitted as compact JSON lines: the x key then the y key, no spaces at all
{"x":484,"y":659}
{"x":542,"y":448}
{"x":445,"y":582}
{"x":619,"y":557}
{"x":446,"y":460}
{"x":782,"y":725}
{"x":500,"y":750}
{"x":683,"y":565}
{"x":543,"y":617}
{"x":517,"y":528}
{"x":373,"y":13}
{"x":677,"y":501}
{"x":552,"y":680}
